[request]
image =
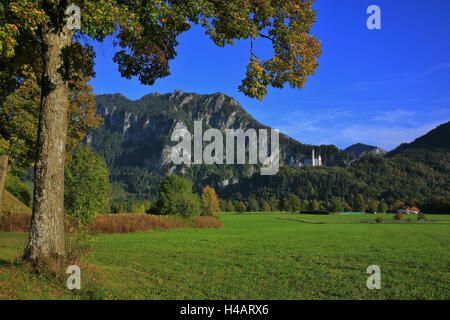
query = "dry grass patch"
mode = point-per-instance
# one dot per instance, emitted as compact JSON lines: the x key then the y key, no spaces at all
{"x":127,"y":223}
{"x":15,"y":222}
{"x":117,"y":223}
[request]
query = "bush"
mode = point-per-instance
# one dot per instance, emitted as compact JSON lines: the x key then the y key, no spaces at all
{"x":337,"y":205}
{"x":241,"y":207}
{"x":292,"y":203}
{"x":174,"y":184}
{"x":382,"y":207}
{"x":79,"y":240}
{"x":222,"y":205}
{"x":358,"y":203}
{"x":253,"y":205}
{"x":372,"y":206}
{"x":274,"y":203}
{"x":398,"y":216}
{"x":176,"y":197}
{"x":229,"y":207}
{"x":313,"y":205}
{"x":18,"y":189}
{"x":120,"y":209}
{"x":379,"y":219}
{"x":86,"y":182}
{"x":137,"y":208}
{"x":185,"y":205}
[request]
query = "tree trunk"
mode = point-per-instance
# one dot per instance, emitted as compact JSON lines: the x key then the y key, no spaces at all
{"x":3,"y":172}
{"x":46,"y":237}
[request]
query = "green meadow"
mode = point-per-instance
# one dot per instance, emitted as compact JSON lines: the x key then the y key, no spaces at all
{"x":255,"y":256}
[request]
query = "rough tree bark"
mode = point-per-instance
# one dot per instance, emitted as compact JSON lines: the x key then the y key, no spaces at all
{"x":3,"y":172}
{"x":46,"y":237}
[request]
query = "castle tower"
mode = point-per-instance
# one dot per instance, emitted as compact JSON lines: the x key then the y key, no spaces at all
{"x":316,"y":162}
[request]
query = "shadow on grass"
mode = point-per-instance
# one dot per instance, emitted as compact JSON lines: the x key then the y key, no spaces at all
{"x":303,"y":221}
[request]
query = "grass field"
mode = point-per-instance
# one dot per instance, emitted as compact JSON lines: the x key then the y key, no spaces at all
{"x":256,"y":256}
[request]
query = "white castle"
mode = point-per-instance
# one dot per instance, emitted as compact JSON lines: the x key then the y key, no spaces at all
{"x":315,"y":162}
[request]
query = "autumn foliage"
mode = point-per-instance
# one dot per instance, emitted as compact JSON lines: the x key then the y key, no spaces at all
{"x":210,"y":203}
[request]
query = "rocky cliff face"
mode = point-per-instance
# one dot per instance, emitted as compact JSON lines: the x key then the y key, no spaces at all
{"x":216,"y":111}
{"x":360,"y":149}
{"x":146,"y":125}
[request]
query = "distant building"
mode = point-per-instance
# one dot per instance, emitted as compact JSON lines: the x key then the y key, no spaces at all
{"x":315,"y":162}
{"x":409,"y":210}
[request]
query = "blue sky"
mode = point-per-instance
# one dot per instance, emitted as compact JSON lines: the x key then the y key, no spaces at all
{"x":380,"y":87}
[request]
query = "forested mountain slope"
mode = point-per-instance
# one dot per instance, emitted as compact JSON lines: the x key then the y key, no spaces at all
{"x":135,"y":139}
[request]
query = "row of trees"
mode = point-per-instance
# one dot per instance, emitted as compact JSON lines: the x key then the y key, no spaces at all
{"x":176,"y":197}
{"x":292,"y":203}
{"x":413,"y":179}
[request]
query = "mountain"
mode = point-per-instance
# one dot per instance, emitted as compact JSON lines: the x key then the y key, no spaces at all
{"x":135,"y":140}
{"x":415,"y":173}
{"x":431,"y":150}
{"x":360,"y":149}
{"x":436,"y":139}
